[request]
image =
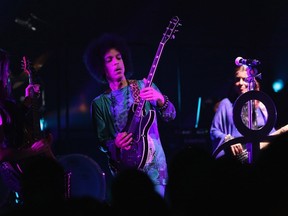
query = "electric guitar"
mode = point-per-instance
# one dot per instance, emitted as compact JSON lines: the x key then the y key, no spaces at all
{"x":33,"y":131}
{"x":139,"y":125}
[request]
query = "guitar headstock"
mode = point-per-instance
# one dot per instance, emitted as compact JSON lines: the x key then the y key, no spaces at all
{"x":25,"y":65}
{"x":171,"y":29}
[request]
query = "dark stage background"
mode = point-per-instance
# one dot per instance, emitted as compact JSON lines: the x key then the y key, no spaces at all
{"x":197,"y":66}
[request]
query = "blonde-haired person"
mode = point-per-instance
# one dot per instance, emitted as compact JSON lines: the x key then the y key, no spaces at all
{"x":223,"y":128}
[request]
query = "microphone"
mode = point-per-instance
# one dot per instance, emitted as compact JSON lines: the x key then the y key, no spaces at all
{"x":25,"y":23}
{"x":248,"y":62}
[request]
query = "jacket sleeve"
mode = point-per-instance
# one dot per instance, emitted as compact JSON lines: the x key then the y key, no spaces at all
{"x":102,"y":124}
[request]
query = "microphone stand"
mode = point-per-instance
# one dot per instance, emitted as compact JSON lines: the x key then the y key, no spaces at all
{"x":252,"y":148}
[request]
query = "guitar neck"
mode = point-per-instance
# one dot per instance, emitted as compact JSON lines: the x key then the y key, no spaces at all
{"x":154,"y":65}
{"x":150,"y":77}
{"x":34,"y":127}
{"x":169,"y":33}
{"x":36,"y":119}
{"x":35,"y":109}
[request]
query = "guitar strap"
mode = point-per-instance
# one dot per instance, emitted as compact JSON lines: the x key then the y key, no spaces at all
{"x":135,"y":94}
{"x":135,"y":90}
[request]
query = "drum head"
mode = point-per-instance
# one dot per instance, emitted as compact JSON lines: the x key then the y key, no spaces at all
{"x":84,"y":176}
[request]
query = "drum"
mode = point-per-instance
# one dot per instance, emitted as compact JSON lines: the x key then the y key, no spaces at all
{"x":84,"y":176}
{"x":4,"y":193}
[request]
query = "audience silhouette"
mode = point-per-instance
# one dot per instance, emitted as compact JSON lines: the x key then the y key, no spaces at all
{"x":197,"y":183}
{"x":85,"y":205}
{"x":133,"y":189}
{"x":190,"y":181}
{"x":43,"y":187}
{"x":272,"y":177}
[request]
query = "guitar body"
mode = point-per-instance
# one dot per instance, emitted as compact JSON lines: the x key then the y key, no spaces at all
{"x":136,"y":156}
